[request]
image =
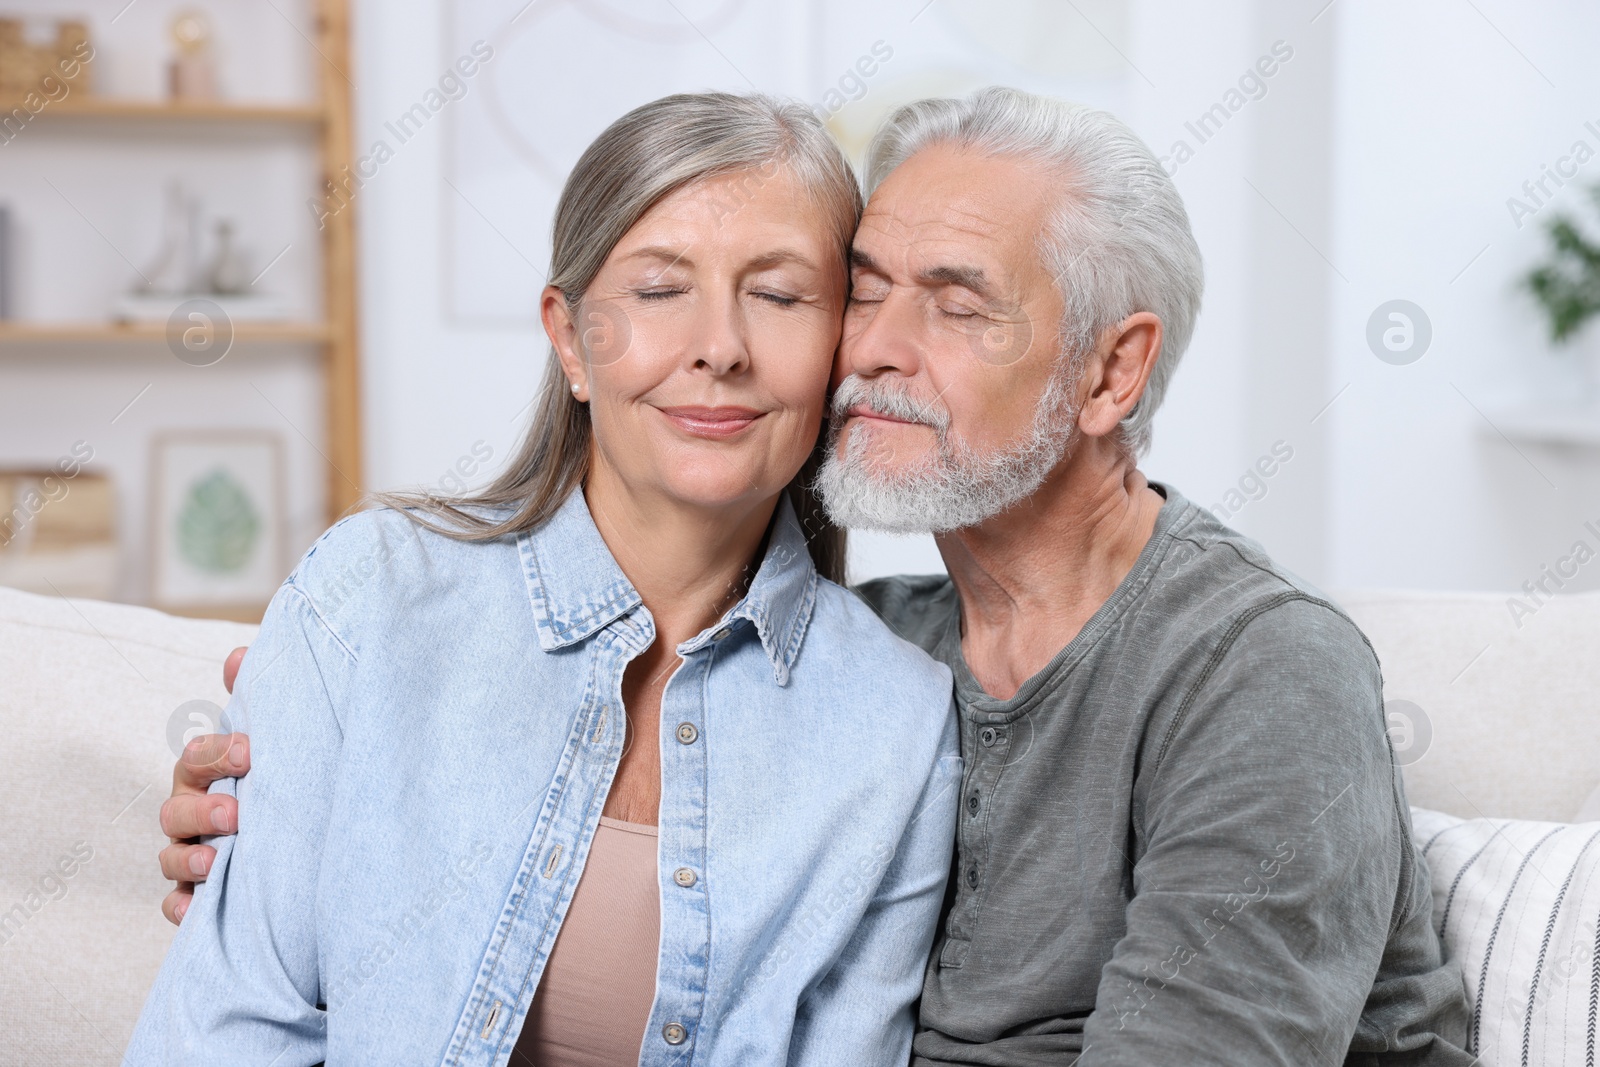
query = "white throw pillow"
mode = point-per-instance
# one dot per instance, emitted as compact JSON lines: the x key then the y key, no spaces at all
{"x":1518,"y":903}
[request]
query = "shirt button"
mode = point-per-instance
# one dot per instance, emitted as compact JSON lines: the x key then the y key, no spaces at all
{"x":972,"y":877}
{"x":720,"y":634}
{"x":687,"y":733}
{"x":972,"y":804}
{"x":988,"y":736}
{"x":684,"y":877}
{"x":674,"y":1033}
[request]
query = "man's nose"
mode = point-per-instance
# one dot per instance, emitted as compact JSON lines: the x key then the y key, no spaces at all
{"x":890,"y":340}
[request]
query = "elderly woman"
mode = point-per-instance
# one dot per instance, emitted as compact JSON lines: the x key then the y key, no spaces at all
{"x":599,"y":766}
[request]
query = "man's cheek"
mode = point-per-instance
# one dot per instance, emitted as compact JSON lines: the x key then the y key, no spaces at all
{"x":842,"y":366}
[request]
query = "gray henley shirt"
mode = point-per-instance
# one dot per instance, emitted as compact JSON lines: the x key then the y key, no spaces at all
{"x":1185,"y":840}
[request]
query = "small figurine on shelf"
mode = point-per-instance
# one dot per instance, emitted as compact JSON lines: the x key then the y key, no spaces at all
{"x":230,"y":269}
{"x":192,"y":74}
{"x":175,"y":268}
{"x":181,"y":272}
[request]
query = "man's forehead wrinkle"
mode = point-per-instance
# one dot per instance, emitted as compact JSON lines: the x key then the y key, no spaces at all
{"x":917,"y":248}
{"x":930,"y":218}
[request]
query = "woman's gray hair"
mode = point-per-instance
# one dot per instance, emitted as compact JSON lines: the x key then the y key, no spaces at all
{"x":646,"y":155}
{"x":1120,"y":241}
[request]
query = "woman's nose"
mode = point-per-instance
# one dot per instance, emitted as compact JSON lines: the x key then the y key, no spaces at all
{"x":720,"y":344}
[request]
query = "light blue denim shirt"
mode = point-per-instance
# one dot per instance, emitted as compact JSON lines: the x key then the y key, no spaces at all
{"x":434,"y":727}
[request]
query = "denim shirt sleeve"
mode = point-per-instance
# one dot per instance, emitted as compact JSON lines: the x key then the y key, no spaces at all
{"x":862,"y":1010}
{"x":241,"y":982}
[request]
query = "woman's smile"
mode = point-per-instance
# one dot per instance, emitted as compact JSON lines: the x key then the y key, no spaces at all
{"x":715,"y":423}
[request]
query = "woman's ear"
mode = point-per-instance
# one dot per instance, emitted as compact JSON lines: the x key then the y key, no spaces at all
{"x":1119,"y":371}
{"x":562,"y":330}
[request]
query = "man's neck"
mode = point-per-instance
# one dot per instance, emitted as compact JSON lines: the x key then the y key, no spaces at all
{"x":1031,"y":577}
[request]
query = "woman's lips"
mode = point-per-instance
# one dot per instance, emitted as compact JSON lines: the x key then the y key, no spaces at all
{"x":714,"y":423}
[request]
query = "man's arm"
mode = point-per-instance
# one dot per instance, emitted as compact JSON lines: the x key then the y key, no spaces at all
{"x":1275,"y":861}
{"x":191,"y":812}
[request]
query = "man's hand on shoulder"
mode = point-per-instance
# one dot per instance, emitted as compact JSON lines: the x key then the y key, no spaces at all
{"x":190,"y":812}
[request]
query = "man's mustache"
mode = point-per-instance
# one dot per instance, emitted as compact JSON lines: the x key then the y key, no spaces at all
{"x":896,"y":402}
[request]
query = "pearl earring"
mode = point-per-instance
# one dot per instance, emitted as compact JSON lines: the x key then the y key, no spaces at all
{"x":574,"y":387}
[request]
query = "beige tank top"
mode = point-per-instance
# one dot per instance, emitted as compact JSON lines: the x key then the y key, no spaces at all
{"x":594,"y":1000}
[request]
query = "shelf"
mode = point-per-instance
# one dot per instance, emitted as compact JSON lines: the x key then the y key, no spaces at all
{"x":17,"y":333}
{"x":101,"y":107}
{"x":251,"y":615}
{"x":1546,"y":425}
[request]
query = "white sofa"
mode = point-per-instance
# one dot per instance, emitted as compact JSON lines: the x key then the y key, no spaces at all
{"x":87,"y":692}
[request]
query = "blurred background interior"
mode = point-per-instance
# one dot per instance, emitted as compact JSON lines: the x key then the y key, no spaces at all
{"x":258,"y":257}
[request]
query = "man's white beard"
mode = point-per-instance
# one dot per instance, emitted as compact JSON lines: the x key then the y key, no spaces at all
{"x":954,"y":486}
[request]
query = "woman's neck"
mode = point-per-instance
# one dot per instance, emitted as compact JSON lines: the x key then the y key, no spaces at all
{"x":689,"y":564}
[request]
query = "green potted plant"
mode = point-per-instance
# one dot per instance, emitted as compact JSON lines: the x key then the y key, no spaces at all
{"x":1566,"y":286}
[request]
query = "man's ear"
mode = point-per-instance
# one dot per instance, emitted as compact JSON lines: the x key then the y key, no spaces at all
{"x":562,"y":330}
{"x":1118,"y":372}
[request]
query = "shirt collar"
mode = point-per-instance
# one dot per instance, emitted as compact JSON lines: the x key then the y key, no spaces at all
{"x":577,"y":588}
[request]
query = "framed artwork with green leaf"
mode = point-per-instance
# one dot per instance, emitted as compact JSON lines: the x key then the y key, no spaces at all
{"x":217,"y":510}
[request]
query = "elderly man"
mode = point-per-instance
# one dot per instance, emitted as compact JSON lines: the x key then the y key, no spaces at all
{"x":1183,"y":838}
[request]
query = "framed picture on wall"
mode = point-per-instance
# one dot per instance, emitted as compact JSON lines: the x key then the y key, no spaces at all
{"x":217,"y":507}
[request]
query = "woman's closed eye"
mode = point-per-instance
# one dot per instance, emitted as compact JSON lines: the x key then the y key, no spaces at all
{"x":775,"y":298}
{"x":782,"y":300}
{"x":660,"y":293}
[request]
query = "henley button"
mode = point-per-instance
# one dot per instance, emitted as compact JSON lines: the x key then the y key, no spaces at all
{"x":972,"y":877}
{"x":674,"y":1033}
{"x":988,"y":736}
{"x":684,"y":877}
{"x":687,"y":733}
{"x":972,"y":804}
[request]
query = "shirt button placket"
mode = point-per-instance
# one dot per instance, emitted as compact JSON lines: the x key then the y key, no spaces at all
{"x":685,"y":925}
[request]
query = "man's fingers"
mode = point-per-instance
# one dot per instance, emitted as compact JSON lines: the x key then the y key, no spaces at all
{"x":183,"y":817}
{"x":186,"y":864}
{"x":177,"y":903}
{"x":191,"y":812}
{"x":209,"y":757}
{"x":230,"y":667}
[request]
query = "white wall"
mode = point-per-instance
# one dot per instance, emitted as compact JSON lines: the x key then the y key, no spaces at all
{"x":1376,"y":165}
{"x":1445,"y":110}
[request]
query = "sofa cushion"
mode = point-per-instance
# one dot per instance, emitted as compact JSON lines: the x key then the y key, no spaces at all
{"x":1516,"y":903}
{"x":1501,"y":706}
{"x":87,"y":694}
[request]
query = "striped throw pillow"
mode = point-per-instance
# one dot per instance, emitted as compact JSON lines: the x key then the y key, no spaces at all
{"x":1518,"y":905}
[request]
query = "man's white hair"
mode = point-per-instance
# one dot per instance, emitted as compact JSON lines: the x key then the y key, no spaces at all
{"x":1120,"y":240}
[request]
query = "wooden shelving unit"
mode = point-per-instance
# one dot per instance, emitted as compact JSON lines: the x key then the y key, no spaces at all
{"x":92,"y":107}
{"x":337,"y":337}
{"x":45,"y":333}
